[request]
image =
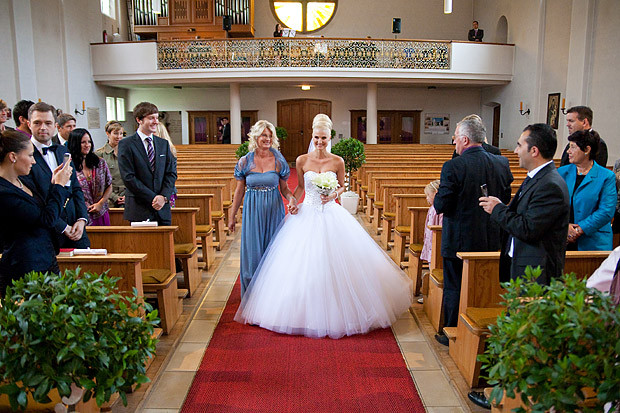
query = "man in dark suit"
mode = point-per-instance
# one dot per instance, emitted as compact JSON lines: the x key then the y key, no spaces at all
{"x":225,"y":131}
{"x":466,"y":227}
{"x":580,"y":118}
{"x":70,"y":225}
{"x":148,"y":169}
{"x":536,"y":221}
{"x":475,"y":34}
{"x":65,"y":123}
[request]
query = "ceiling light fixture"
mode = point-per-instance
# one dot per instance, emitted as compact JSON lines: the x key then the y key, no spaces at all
{"x":447,"y":6}
{"x":305,"y":87}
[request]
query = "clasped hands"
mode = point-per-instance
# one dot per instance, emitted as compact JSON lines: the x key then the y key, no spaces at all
{"x":158,"y":202}
{"x":574,"y":232}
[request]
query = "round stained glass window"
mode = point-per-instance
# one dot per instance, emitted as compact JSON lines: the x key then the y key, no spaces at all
{"x":304,"y":16}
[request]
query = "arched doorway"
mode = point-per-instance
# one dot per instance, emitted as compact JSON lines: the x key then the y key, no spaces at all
{"x":296,"y":116}
{"x":501,"y":33}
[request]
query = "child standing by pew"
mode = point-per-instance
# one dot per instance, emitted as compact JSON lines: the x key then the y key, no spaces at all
{"x":432,"y":218}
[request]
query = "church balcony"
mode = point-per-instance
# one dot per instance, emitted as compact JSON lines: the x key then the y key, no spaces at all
{"x":297,"y":59}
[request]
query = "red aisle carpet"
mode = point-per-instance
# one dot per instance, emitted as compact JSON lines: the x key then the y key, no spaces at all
{"x":249,"y":369}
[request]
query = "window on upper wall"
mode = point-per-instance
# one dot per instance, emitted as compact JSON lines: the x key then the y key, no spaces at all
{"x":115,"y":109}
{"x":304,"y":16}
{"x":108,"y":7}
{"x":120,"y":109}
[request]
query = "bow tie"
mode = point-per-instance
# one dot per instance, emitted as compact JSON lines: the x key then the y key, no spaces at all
{"x":45,"y":149}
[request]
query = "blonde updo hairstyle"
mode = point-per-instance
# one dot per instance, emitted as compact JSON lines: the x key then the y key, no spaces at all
{"x":257,"y":130}
{"x":323,"y":122}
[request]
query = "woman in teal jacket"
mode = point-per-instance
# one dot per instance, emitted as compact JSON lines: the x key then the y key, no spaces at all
{"x":592,"y":191}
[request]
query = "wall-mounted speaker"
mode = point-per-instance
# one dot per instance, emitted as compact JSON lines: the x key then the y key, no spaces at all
{"x":226,"y":23}
{"x":396,"y":25}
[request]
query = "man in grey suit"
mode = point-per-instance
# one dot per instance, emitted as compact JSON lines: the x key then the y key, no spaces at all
{"x":148,"y":169}
{"x":536,"y":221}
{"x":465,"y":226}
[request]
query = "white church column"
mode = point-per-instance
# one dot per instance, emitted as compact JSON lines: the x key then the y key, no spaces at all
{"x":235,"y":113}
{"x":371,"y":113}
{"x":26,"y":84}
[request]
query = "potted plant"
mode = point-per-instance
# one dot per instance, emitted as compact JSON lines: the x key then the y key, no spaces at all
{"x":281,"y":133}
{"x":554,"y":345}
{"x":69,"y":332}
{"x":352,"y":151}
{"x":242,"y":150}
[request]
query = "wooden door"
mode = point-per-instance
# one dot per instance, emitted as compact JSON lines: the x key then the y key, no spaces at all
{"x":497,"y":110}
{"x":295,"y":115}
{"x":206,"y":126}
{"x":393,"y":126}
{"x":199,"y":127}
{"x":408,"y":131}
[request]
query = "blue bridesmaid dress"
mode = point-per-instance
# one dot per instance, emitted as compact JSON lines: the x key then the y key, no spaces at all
{"x":263,"y":210}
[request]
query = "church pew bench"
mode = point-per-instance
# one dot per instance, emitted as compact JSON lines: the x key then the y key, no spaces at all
{"x":416,"y":242}
{"x":126,"y":266}
{"x":388,"y":217}
{"x":185,"y":246}
{"x":219,"y":209}
{"x":432,"y":301}
{"x":204,"y":227}
{"x":402,"y":223}
{"x":158,"y":272}
{"x":479,"y":307}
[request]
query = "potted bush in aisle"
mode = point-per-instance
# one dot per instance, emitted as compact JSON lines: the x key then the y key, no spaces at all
{"x":72,"y":332}
{"x":352,"y":151}
{"x":555,"y":347}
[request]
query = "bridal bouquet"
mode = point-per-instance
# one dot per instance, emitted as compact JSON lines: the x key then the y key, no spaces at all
{"x":325,"y":183}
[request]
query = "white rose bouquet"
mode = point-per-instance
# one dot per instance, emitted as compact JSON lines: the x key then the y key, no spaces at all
{"x":325,"y":183}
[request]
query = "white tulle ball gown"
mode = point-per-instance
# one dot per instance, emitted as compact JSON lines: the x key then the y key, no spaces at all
{"x":323,"y":275}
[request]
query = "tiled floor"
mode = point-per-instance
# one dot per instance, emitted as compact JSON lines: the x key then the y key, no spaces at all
{"x":438,"y":382}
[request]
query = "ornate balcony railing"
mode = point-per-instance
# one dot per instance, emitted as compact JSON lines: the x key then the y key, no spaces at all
{"x":299,"y":53}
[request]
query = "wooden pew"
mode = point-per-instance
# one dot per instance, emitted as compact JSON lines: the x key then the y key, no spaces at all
{"x":185,"y":248}
{"x":218,"y":212}
{"x":158,"y":272}
{"x":432,"y":301}
{"x":480,"y":300}
{"x":416,"y":242}
{"x":388,"y":217}
{"x":126,"y":266}
{"x":204,"y":227}
{"x":402,"y":223}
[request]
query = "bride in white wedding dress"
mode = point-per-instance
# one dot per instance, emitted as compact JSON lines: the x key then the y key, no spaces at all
{"x":323,"y":275}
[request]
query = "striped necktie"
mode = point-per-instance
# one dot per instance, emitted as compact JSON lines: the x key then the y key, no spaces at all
{"x":150,"y":152}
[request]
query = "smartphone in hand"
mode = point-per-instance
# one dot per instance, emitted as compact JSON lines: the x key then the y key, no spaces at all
{"x":484,"y":190}
{"x":67,"y":158}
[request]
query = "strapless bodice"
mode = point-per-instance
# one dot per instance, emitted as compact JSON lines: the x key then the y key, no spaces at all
{"x":313,"y":197}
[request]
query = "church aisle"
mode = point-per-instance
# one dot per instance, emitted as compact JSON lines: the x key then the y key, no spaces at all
{"x":171,"y":388}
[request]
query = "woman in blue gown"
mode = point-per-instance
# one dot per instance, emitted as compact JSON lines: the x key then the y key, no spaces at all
{"x":259,"y":174}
